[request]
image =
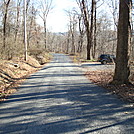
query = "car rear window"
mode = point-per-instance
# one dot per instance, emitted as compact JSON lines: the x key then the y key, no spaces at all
{"x":103,"y":56}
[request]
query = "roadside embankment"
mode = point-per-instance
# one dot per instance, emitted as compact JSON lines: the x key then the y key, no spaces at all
{"x":13,"y":72}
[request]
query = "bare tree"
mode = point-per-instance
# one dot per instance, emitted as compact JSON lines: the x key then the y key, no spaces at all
{"x":6,"y":5}
{"x":105,"y":37}
{"x":89,"y":23}
{"x":46,"y":7}
{"x":25,"y":29}
{"x":72,"y":28}
{"x":27,"y":5}
{"x":84,"y":10}
{"x":67,"y":42}
{"x":95,"y":31}
{"x":32,"y":24}
{"x":122,"y":70}
{"x":17,"y":18}
{"x":92,"y":26}
{"x":82,"y":33}
{"x":113,"y":5}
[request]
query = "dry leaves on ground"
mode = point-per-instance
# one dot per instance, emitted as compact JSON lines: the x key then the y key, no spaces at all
{"x":11,"y":76}
{"x":102,"y":78}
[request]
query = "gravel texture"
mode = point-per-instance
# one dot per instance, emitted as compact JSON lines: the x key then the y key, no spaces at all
{"x":59,"y":99}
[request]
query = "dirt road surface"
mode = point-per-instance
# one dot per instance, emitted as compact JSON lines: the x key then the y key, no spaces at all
{"x":97,"y":66}
{"x":59,"y":99}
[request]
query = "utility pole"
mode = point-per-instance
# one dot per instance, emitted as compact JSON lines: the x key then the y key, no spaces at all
{"x":25,"y":32}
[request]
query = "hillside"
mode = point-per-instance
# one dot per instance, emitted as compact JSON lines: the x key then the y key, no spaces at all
{"x":13,"y":72}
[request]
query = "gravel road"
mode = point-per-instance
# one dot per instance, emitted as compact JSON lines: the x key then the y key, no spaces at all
{"x":59,"y":99}
{"x":97,"y":66}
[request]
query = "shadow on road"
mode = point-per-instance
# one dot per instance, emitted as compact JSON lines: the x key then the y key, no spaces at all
{"x":61,"y":100}
{"x":91,"y":104}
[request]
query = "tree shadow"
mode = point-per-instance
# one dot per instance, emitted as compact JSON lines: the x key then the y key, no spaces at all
{"x":65,"y":108}
{"x":62,"y":101}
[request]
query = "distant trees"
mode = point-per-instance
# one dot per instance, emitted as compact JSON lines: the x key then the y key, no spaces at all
{"x":72,"y":30}
{"x":12,"y":28}
{"x":106,"y":39}
{"x":114,"y":9}
{"x":81,"y":33}
{"x":89,"y":29}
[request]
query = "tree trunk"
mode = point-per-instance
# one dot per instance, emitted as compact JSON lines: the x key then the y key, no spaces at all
{"x":4,"y":30}
{"x":95,"y":28}
{"x":25,"y":32}
{"x":92,"y":25}
{"x":5,"y":23}
{"x":122,"y":71}
{"x":86,"y":22}
{"x":72,"y":36}
{"x":45,"y":35}
{"x":81,"y":36}
{"x":17,"y":20}
{"x":73,"y":45}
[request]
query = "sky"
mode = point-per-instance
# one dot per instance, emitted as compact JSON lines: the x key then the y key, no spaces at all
{"x":57,"y":18}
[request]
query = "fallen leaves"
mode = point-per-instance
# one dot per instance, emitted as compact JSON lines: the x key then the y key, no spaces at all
{"x":103,"y":78}
{"x":11,"y":76}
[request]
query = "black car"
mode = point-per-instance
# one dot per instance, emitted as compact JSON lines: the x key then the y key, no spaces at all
{"x":106,"y":58}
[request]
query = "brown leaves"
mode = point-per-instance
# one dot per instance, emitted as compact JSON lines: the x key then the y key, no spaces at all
{"x":103,"y":78}
{"x":100,"y":77}
{"x":11,"y":77}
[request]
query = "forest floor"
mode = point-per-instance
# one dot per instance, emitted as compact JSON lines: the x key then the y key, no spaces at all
{"x":14,"y":72}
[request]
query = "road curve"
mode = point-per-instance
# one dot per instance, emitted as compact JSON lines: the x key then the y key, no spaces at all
{"x":59,"y":99}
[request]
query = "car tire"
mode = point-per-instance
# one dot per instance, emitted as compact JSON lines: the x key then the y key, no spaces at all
{"x":104,"y":62}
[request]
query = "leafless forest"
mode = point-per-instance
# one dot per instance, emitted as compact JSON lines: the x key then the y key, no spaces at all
{"x":92,"y":30}
{"x":101,"y":29}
